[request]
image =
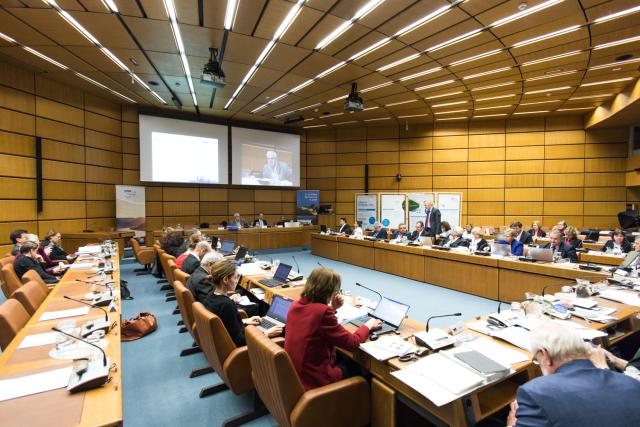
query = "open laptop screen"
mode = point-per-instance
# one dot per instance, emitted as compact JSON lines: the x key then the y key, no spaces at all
{"x":391,"y":311}
{"x":279,"y":308}
{"x":227,"y":246}
{"x":282,"y":272}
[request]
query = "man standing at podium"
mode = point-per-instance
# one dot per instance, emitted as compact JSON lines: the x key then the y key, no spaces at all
{"x":432,"y":219}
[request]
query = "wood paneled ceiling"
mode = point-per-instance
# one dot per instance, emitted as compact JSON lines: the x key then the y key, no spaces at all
{"x":413,"y":60}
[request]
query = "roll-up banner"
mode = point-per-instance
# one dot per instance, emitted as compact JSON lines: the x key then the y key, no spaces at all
{"x":392,"y":209}
{"x":308,"y":203}
{"x":130,"y":209}
{"x":367,"y":210}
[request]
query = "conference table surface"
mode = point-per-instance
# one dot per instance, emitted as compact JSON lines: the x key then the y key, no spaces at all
{"x":483,"y":401}
{"x":98,"y":407}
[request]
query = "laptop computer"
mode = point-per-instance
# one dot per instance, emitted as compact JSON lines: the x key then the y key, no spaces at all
{"x":502,"y":249}
{"x":242,"y":251}
{"x":277,"y":314}
{"x":227,"y":246}
{"x":279,"y":277}
{"x":541,"y":254}
{"x":425,"y":240}
{"x":390,"y":312}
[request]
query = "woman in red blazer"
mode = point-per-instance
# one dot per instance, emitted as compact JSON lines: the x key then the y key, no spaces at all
{"x":313,"y":331}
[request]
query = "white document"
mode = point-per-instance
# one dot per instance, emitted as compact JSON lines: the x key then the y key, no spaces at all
{"x":258,"y":292}
{"x":251,"y":269}
{"x":584,"y":302}
{"x":35,"y":383}
{"x":493,"y":350}
{"x":61,"y":314}
{"x":586,"y":333}
{"x":37,"y":340}
{"x":348,"y":312}
{"x":388,"y":346}
{"x":82,"y":266}
{"x":94,"y":249}
{"x":439,"y":379}
{"x":624,"y":297}
{"x":516,"y":335}
{"x":244,"y":300}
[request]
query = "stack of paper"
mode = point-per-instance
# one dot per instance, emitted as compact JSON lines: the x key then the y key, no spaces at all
{"x":388,"y":346}
{"x":348,"y":312}
{"x":251,"y":269}
{"x":94,"y":249}
{"x":496,"y":351}
{"x":82,"y":266}
{"x":37,"y":340}
{"x":624,"y":297}
{"x":51,"y":315}
{"x":36,"y":383}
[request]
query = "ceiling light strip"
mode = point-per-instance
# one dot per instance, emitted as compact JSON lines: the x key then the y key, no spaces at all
{"x":617,"y":43}
{"x":493,"y":108}
{"x":554,"y":89}
{"x":443,"y":95}
{"x":449,"y":103}
{"x":420,"y":74}
{"x":614,"y":64}
{"x":528,"y":11}
{"x":490,"y":115}
{"x":531,"y":112}
{"x":551,"y":58}
{"x":401,"y":103}
{"x":361,"y":13}
{"x":110,"y":5}
{"x":550,"y":76}
{"x":547,"y":36}
{"x":476,"y":57}
{"x":413,"y":115}
{"x":492,"y":86}
{"x":604,"y":82}
{"x":442,"y":83}
{"x":486,"y":73}
{"x":230,"y":14}
{"x":600,"y":95}
{"x":616,"y":15}
{"x":177,"y":35}
{"x":576,"y":109}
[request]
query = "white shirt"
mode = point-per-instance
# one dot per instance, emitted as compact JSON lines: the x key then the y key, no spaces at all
{"x":473,"y":246}
{"x":357,"y":233}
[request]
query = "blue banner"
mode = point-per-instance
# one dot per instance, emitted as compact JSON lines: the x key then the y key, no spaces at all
{"x":308,"y":203}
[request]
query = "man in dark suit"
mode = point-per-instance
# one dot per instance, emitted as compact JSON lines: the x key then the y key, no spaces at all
{"x":260,"y":221}
{"x":418,"y":232}
{"x":378,"y":231}
{"x":29,"y":259}
{"x":572,"y":391}
{"x":238,"y":221}
{"x":401,"y":232}
{"x":344,"y":228}
{"x":523,"y":236}
{"x":557,"y":244}
{"x":632,"y":257}
{"x":432,"y":218}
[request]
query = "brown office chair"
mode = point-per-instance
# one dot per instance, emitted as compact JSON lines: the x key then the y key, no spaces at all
{"x":8,"y":259}
{"x":13,"y":317}
{"x":181,"y":276}
{"x":30,"y":295}
{"x":10,"y":279}
{"x":279,"y":387}
{"x":231,"y":363}
{"x":33,"y":276}
{"x":144,"y":256}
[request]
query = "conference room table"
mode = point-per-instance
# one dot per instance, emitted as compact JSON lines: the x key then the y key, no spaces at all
{"x":261,"y":238}
{"x":72,"y":241}
{"x":480,"y":403}
{"x":58,"y":408}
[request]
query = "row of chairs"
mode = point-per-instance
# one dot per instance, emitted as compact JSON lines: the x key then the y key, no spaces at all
{"x":24,"y":297}
{"x":262,"y":367}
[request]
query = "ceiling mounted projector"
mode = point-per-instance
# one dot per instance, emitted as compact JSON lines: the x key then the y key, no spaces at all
{"x":212,"y":74}
{"x":354,"y":102}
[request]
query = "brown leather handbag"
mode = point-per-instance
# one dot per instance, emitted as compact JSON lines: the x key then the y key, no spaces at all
{"x":136,"y":328}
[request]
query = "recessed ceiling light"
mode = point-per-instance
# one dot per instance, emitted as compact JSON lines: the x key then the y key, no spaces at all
{"x":575,"y":109}
{"x":616,"y":69}
{"x":451,"y":112}
{"x":133,"y":61}
{"x":400,"y":103}
{"x":313,"y":126}
{"x":420,"y":74}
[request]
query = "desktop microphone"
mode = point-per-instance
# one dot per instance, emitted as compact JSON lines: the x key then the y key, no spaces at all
{"x":297,"y":266}
{"x":104,"y":355}
{"x":106,"y":315}
{"x":442,"y":315}
{"x":321,"y":265}
{"x":99,"y":284}
{"x":372,"y":290}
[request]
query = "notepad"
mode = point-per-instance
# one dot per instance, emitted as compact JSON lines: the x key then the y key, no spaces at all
{"x":37,"y":340}
{"x":35,"y":383}
{"x":61,"y":314}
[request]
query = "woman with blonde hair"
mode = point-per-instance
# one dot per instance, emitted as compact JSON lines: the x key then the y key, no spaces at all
{"x":313,"y":331}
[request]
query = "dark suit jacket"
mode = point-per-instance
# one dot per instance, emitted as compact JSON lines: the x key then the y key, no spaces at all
{"x":459,"y":242}
{"x":242,"y":224}
{"x":626,"y":246}
{"x":25,"y":263}
{"x":199,"y":284}
{"x":382,"y":234}
{"x":541,"y":233}
{"x":629,"y":259}
{"x":397,"y":235}
{"x":579,"y":394}
{"x":257,"y":221}
{"x":190,"y":263}
{"x":414,"y":235}
{"x":433,"y":228}
{"x":526,"y":238}
{"x":481,"y":244}
{"x":575,"y":243}
{"x":57,"y":253}
{"x":566,"y":251}
{"x":346,"y":229}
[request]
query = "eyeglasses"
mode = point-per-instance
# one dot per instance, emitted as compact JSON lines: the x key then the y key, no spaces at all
{"x":534,"y":359}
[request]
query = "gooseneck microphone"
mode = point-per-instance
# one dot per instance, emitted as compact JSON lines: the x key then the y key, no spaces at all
{"x":442,"y":315}
{"x":104,"y":355}
{"x":321,"y":265}
{"x":98,"y":284}
{"x":297,"y":266}
{"x":372,"y":290}
{"x":106,"y":315}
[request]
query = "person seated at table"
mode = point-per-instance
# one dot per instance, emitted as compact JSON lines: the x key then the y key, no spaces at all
{"x":401,"y":232}
{"x":199,"y":282}
{"x":445,"y":231}
{"x":523,"y":236}
{"x":260,"y":222}
{"x":192,"y":261}
{"x":357,"y":230}
{"x":238,"y":221}
{"x":572,"y":391}
{"x":282,"y":220}
{"x":43,"y":252}
{"x":190,"y":244}
{"x":52,"y":241}
{"x":313,"y":332}
{"x":618,"y":244}
{"x":17,"y":238}
{"x":604,"y":359}
{"x":193,"y":235}
{"x":477,"y":243}
{"x":379,"y":232}
{"x":632,"y":258}
{"x":455,"y":239}
{"x":561,"y":225}
{"x":418,"y":232}
{"x":29,"y":259}
{"x":557,"y":244}
{"x":171,"y":243}
{"x":536,"y":230}
{"x":516,"y":246}
{"x":224,"y":278}
{"x":344,"y":227}
{"x":468,"y":231}
{"x":571,"y":237}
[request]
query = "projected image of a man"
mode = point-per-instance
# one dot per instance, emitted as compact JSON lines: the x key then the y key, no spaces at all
{"x":275,"y":170}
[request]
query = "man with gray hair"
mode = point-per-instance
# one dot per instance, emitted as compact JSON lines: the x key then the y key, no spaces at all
{"x":572,"y":391}
{"x":192,"y":261}
{"x":275,"y":170}
{"x":199,"y":283}
{"x":455,"y":238}
{"x":557,"y":245}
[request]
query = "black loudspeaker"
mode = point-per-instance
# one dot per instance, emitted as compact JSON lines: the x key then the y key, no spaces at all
{"x":39,"y":174}
{"x":366,"y":178}
{"x":629,"y":219}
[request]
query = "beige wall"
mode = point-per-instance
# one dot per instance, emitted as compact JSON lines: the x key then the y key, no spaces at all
{"x":89,"y":144}
{"x":526,"y":169}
